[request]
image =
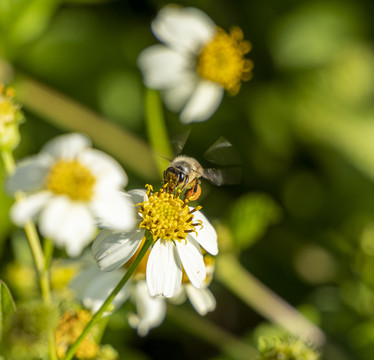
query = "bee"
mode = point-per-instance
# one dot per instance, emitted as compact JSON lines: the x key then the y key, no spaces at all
{"x":184,"y":173}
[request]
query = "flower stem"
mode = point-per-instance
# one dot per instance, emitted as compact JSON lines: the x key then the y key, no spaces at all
{"x":36,"y":249}
{"x":97,"y":316}
{"x":237,"y":279}
{"x":156,"y":130}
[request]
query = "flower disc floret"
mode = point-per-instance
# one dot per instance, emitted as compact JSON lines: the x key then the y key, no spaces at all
{"x":222,"y":60}
{"x":71,"y":178}
{"x":166,"y":216}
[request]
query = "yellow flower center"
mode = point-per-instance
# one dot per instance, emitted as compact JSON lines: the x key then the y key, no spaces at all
{"x":222,"y":60}
{"x":167,"y":216}
{"x":71,"y":178}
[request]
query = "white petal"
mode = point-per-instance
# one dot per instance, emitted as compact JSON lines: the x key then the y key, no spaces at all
{"x":29,"y":207}
{"x":66,"y":146}
{"x":203,"y":103}
{"x":114,"y":210}
{"x":177,"y":97}
{"x":151,"y":311}
{"x":30,"y":174}
{"x":201,"y":299}
{"x":207,"y":235}
{"x":164,"y":68}
{"x":183,"y":29}
{"x":69,"y":224}
{"x":164,"y":271}
{"x":113,"y":249}
{"x":138,"y":195}
{"x":105,"y":169}
{"x":192,"y":261}
{"x":93,"y":286}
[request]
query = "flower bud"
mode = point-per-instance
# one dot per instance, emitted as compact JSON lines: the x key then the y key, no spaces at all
{"x":10,"y":118}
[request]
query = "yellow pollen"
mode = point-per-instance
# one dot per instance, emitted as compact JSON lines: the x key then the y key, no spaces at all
{"x":222,"y":60}
{"x":167,"y":216}
{"x":71,"y":178}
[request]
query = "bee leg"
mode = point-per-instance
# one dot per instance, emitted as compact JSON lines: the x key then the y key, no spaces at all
{"x":193,"y":193}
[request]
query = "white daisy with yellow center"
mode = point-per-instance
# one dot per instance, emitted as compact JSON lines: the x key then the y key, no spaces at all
{"x":177,"y":230}
{"x":197,"y":63}
{"x":70,"y":188}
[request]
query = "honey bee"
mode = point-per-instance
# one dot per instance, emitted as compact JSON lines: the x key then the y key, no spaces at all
{"x":184,"y":173}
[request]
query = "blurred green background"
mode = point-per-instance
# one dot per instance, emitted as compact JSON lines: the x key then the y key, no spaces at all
{"x":302,"y":216}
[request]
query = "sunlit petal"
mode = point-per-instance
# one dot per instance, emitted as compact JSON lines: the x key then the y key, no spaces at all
{"x":183,"y":29}
{"x":150,"y":310}
{"x":66,"y":146}
{"x":203,"y":103}
{"x":113,"y":249}
{"x":164,"y":271}
{"x":163,"y":68}
{"x":30,"y":174}
{"x":68,"y":224}
{"x":114,"y":210}
{"x":29,"y":207}
{"x":192,"y":261}
{"x":201,"y":299}
{"x":207,"y":235}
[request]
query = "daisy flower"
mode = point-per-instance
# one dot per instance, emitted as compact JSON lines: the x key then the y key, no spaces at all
{"x":70,"y":188}
{"x":177,"y":231}
{"x":196,"y":64}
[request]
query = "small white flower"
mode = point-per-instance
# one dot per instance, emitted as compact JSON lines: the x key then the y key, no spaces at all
{"x":197,"y":63}
{"x":70,"y":188}
{"x":178,"y":232}
{"x":150,"y":310}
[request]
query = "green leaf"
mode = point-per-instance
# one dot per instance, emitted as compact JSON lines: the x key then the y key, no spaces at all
{"x":7,"y":305}
{"x":252,"y":214}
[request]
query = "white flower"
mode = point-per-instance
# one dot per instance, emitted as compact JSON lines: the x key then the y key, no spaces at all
{"x":150,"y":310}
{"x":70,"y":188}
{"x":197,"y":63}
{"x":177,"y":231}
{"x":93,"y":286}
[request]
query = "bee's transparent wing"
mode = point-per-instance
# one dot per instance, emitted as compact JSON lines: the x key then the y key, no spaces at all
{"x":226,"y":176}
{"x":223,"y":153}
{"x":179,"y":141}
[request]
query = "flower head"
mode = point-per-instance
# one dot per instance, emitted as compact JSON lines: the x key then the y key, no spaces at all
{"x":10,"y":117}
{"x":197,"y":62}
{"x":177,"y":230}
{"x":70,"y":188}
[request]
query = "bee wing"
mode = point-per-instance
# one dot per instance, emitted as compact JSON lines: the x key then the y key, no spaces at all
{"x":227,"y":176}
{"x":179,"y":141}
{"x":223,"y":153}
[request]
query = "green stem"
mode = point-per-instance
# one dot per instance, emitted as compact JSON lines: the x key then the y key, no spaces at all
{"x":156,"y":130}
{"x":36,"y":250}
{"x":97,"y":316}
{"x":240,"y":282}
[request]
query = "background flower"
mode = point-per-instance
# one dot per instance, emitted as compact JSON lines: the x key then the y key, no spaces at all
{"x":197,"y":63}
{"x":70,"y":188}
